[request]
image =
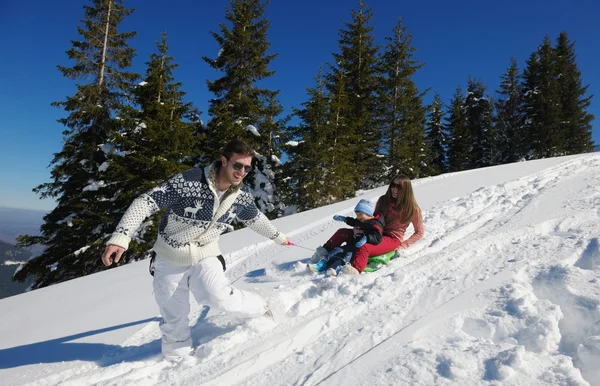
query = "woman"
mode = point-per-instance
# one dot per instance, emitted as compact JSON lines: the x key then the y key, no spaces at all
{"x":399,"y":209}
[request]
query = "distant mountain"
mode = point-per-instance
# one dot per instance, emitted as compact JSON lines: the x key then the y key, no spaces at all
{"x":15,"y":222}
{"x":597,"y":148}
{"x":10,"y":259}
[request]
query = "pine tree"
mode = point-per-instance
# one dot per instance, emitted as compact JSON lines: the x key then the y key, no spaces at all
{"x":478,"y":115}
{"x":401,"y":107}
{"x":574,"y":120}
{"x":356,"y":64}
{"x":74,"y":231}
{"x":459,"y":137}
{"x":340,"y":163}
{"x":542,"y":103}
{"x":509,"y":120}
{"x":437,"y":138}
{"x":240,"y":108}
{"x":309,"y":150}
{"x":155,"y":143}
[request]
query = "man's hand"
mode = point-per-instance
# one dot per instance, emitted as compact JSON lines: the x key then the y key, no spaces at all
{"x":287,"y":241}
{"x":337,"y":217}
{"x":402,"y":246}
{"x":107,"y":258}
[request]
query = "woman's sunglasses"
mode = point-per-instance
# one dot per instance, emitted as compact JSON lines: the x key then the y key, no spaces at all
{"x":394,"y":185}
{"x":239,"y":166}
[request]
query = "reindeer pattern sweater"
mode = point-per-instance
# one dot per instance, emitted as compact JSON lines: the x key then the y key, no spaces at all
{"x":194,"y":216}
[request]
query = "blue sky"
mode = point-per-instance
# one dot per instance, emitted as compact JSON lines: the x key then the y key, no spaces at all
{"x":454,"y":38}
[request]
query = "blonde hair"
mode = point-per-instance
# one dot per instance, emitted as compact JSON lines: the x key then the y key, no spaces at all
{"x":405,"y":199}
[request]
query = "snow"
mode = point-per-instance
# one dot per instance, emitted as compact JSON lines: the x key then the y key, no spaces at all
{"x":53,"y":266}
{"x":11,"y":262}
{"x":276,"y":159}
{"x":140,"y":127}
{"x":81,"y":250}
{"x":253,"y":130}
{"x":94,"y":185}
{"x":107,"y":148}
{"x":504,"y":288}
{"x":68,"y":220}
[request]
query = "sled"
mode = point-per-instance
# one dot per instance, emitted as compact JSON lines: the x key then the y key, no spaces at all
{"x":376,"y":262}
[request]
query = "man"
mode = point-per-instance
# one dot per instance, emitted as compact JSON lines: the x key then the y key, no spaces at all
{"x":200,"y":204}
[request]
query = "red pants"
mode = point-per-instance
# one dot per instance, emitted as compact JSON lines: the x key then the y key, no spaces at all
{"x":341,"y":236}
{"x":362,"y":254}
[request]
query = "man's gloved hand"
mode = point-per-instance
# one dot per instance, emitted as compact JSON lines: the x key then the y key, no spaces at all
{"x":339,"y":218}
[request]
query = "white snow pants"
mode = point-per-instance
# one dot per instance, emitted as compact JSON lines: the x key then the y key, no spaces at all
{"x":209,"y":285}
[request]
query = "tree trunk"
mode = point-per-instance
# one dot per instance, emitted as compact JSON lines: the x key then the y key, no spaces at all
{"x":103,"y":65}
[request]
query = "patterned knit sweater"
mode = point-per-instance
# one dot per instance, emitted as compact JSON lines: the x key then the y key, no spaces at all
{"x":194,"y":217}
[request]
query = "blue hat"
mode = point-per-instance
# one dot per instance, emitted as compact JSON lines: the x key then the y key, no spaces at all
{"x":364,"y":206}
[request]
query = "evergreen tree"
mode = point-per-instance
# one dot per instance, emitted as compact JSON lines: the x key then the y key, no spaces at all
{"x":340,"y":164}
{"x":240,"y":107}
{"x":356,"y":64}
{"x":308,"y":154}
{"x":459,"y":137}
{"x":401,"y":107}
{"x":478,"y":116}
{"x":74,"y":231}
{"x":542,"y":104}
{"x":437,"y":137}
{"x":574,"y":120}
{"x":155,"y":143}
{"x":509,"y":120}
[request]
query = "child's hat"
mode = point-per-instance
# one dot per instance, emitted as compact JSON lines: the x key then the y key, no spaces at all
{"x":364,"y":206}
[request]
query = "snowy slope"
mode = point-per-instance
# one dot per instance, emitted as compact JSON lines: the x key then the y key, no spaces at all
{"x":503,"y":289}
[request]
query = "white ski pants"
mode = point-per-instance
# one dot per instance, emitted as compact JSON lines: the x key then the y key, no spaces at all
{"x":209,"y":285}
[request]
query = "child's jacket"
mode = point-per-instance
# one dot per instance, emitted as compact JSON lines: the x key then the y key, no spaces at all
{"x":373,"y":231}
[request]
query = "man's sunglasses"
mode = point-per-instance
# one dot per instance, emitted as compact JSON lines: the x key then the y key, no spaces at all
{"x":394,"y":185}
{"x":239,"y":166}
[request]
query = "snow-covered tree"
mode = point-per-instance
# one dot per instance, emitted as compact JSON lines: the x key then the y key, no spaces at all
{"x":401,"y":109}
{"x":356,"y":66}
{"x":459,"y":137}
{"x":556,"y":117}
{"x":436,"y":136}
{"x":73,"y":232}
{"x":575,"y":121}
{"x":478,"y":116}
{"x":308,"y":150}
{"x":509,"y":119}
{"x":542,"y":104}
{"x":155,"y":142}
{"x":241,"y":109}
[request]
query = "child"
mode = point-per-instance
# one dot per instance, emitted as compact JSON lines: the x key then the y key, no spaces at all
{"x":367,"y":228}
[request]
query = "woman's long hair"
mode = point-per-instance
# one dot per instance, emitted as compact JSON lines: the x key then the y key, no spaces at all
{"x":404,"y":201}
